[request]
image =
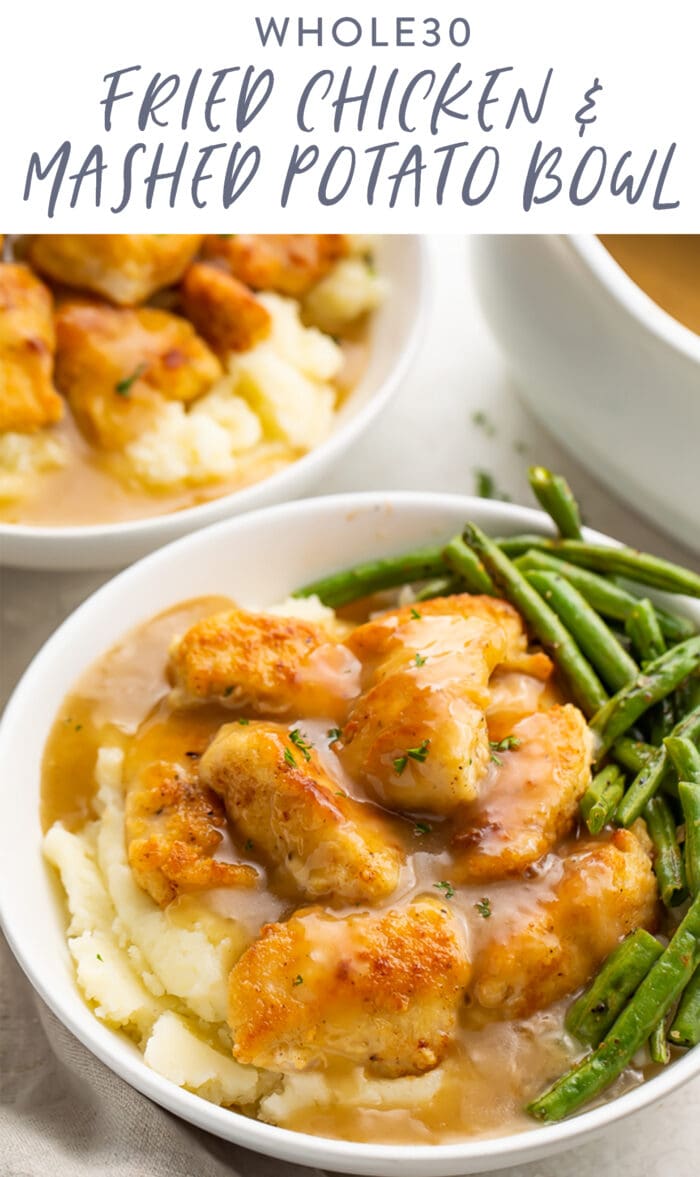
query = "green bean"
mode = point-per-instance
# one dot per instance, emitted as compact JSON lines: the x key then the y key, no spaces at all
{"x":685,"y":1028}
{"x":668,"y":861}
{"x":340,"y":588}
{"x":643,"y":629}
{"x":442,"y":586}
{"x":658,"y":680}
{"x":543,"y":622}
{"x":661,"y":720}
{"x":689,"y":794}
{"x":602,"y":797}
{"x":654,"y":998}
{"x":659,"y":1049}
{"x":593,"y":1013}
{"x":470,"y":568}
{"x":588,"y":630}
{"x":685,"y":758}
{"x":554,"y":494}
{"x":628,"y":562}
{"x":648,"y":781}
{"x":606,"y":597}
{"x":632,"y":754}
{"x":515,"y":546}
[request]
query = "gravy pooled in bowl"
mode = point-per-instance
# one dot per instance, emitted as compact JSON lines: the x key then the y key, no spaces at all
{"x":330,"y":872}
{"x":666,"y":267}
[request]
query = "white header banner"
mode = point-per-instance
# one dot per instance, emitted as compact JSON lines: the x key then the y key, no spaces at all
{"x":494,"y":116}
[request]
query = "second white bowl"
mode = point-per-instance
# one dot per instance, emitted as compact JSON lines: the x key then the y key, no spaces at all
{"x":395,"y":331}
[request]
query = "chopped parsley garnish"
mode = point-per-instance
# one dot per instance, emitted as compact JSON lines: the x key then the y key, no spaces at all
{"x":445,"y":887}
{"x":484,"y":907}
{"x":243,"y":721}
{"x":420,"y":660}
{"x":78,"y":727}
{"x":421,"y":828}
{"x":420,"y":754}
{"x":298,"y":980}
{"x":503,"y":745}
{"x":100,"y":958}
{"x":123,"y":387}
{"x":415,"y":615}
{"x":480,"y":418}
{"x":227,"y":691}
{"x":485,"y":487}
{"x":289,"y":758}
{"x":303,"y":745}
{"x":333,"y":734}
{"x":248,"y":844}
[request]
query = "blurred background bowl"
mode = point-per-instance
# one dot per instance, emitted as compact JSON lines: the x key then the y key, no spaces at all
{"x":395,"y":329}
{"x":609,"y":373}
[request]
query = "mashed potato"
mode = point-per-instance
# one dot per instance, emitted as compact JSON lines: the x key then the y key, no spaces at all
{"x":159,"y":976}
{"x":351,"y":290}
{"x":22,"y":457}
{"x":279,"y":392}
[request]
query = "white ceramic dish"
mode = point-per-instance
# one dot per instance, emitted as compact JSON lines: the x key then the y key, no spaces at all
{"x":396,"y":329}
{"x":613,"y":376}
{"x":257,"y":559}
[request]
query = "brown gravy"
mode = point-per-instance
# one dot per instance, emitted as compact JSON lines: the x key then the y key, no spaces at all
{"x":88,"y":489}
{"x":667,"y":268}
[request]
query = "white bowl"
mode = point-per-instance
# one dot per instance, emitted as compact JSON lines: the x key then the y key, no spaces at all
{"x":396,"y":329}
{"x":613,"y":376}
{"x":256,"y":559}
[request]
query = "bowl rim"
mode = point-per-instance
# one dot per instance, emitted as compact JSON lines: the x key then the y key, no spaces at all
{"x":268,"y":1139}
{"x":211,"y":511}
{"x":633,"y":298}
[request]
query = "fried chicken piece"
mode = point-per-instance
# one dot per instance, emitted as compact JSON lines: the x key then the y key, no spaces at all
{"x":279,"y":796}
{"x":382,"y":991}
{"x":173,"y":828}
{"x":28,"y":399}
{"x":288,"y":263}
{"x":418,"y":736}
{"x":117,"y":366}
{"x":515,"y":695}
{"x":536,"y":956}
{"x":126,"y":268}
{"x":530,"y":799}
{"x":225,"y":312}
{"x":267,"y":662}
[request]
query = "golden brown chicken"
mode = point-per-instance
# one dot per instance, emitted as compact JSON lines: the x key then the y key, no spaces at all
{"x":173,"y":828}
{"x":537,"y":954}
{"x":529,"y":801}
{"x":225,"y":312}
{"x":281,"y":798}
{"x":277,"y":664}
{"x":418,"y":736}
{"x":116,"y":367}
{"x":126,"y":268}
{"x":382,"y":991}
{"x":28,"y":399}
{"x":289,"y":263}
{"x":515,"y":695}
{"x":395,"y":633}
